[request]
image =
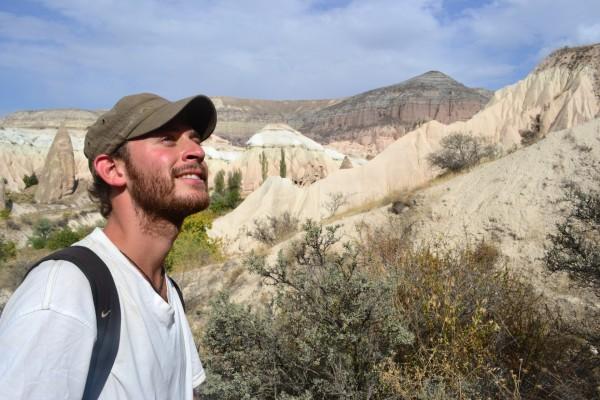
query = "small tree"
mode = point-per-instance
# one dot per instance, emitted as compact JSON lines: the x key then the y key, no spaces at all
{"x":7,"y":249}
{"x":30,"y":180}
{"x":220,"y":183}
{"x":41,"y":231}
{"x":274,"y":229}
{"x":282,"y":166}
{"x":575,"y":248}
{"x":234,"y":187}
{"x":460,"y":151}
{"x":264,"y":165}
{"x":63,"y":238}
{"x":330,"y":326}
{"x":532,"y":135}
{"x":335,"y":201}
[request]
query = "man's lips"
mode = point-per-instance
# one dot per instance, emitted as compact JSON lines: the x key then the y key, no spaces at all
{"x":197,"y":174}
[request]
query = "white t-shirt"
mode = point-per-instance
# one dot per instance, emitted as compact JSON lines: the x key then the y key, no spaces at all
{"x":48,"y":328}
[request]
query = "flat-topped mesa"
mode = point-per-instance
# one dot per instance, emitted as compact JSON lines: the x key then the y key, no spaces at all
{"x":394,"y":110}
{"x":57,"y":179}
{"x":73,"y":119}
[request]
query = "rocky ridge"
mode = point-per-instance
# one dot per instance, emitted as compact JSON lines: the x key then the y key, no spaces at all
{"x":402,"y":107}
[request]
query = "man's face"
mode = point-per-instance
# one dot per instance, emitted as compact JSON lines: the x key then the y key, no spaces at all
{"x":167,"y":173}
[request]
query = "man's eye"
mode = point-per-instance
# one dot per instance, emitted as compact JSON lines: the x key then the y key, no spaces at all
{"x":167,"y":139}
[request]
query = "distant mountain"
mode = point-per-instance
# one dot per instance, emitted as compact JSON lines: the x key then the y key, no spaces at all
{"x":402,"y":107}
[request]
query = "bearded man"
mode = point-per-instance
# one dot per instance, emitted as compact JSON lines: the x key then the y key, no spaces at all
{"x":147,"y":162}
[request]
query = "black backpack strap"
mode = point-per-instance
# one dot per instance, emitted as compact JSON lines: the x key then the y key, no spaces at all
{"x":179,"y":292}
{"x":108,"y":314}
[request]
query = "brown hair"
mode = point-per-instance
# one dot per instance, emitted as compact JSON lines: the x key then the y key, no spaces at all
{"x":99,"y":190}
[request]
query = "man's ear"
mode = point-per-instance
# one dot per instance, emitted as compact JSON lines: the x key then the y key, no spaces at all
{"x":111,"y":171}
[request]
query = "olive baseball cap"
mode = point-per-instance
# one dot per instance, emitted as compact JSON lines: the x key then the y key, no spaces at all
{"x":139,"y":114}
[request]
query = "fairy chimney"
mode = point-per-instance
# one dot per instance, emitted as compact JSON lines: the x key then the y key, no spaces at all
{"x":57,"y":179}
{"x":346,"y":164}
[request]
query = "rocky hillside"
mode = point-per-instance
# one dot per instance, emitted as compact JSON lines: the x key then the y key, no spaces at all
{"x":401,"y":107}
{"x":559,"y":96}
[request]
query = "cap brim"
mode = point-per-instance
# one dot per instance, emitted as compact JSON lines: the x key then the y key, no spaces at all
{"x":198,"y":111}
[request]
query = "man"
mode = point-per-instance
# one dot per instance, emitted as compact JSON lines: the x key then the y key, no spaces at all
{"x":149,"y":173}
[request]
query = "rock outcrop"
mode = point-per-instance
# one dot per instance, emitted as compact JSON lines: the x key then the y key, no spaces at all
{"x":306,"y":160}
{"x":346,"y":163}
{"x":57,"y":179}
{"x":562,"y":96}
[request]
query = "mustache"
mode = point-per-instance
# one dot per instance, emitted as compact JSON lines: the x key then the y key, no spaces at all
{"x":189,"y":169}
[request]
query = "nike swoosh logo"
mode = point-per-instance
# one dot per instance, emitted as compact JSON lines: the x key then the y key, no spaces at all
{"x":104,"y":314}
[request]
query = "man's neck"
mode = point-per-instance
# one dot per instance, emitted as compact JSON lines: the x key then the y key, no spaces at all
{"x":144,"y":241}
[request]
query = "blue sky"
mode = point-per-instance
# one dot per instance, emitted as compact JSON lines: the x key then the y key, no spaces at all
{"x":87,"y":54}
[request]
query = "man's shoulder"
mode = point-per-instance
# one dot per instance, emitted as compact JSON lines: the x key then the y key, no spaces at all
{"x":54,"y":285}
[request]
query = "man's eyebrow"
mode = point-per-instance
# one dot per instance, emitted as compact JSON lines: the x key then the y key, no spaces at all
{"x":196,"y":134}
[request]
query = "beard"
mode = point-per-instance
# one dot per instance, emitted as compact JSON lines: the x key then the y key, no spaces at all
{"x":155,"y":197}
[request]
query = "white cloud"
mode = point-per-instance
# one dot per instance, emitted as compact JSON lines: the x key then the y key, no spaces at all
{"x":90,"y":53}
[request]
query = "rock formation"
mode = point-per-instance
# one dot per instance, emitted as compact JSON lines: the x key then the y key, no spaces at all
{"x":307,"y":161}
{"x":346,"y":164}
{"x":563,"y":95}
{"x":394,"y":110}
{"x":57,"y":178}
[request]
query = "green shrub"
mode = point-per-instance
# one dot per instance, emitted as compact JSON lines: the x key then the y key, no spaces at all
{"x":384,"y":318}
{"x":30,"y":180}
{"x":7,"y":249}
{"x":64,"y":237}
{"x":534,"y":133}
{"x":220,"y":183}
{"x":224,"y":199}
{"x":575,"y":247}
{"x":460,"y":151}
{"x":41,"y":231}
{"x":55,"y":235}
{"x":193,"y":247}
{"x":272,"y":230}
{"x":330,"y":325}
{"x":481,"y":332}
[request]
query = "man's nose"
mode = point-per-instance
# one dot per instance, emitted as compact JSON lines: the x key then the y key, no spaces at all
{"x":193,"y":151}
